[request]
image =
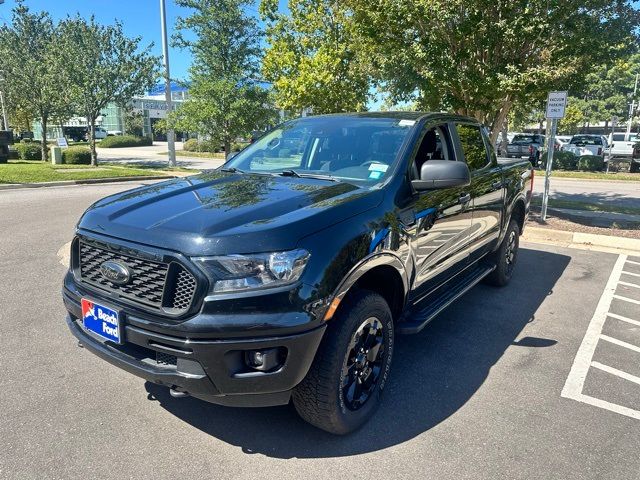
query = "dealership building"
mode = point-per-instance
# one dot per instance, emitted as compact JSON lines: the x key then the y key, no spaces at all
{"x":153,"y":106}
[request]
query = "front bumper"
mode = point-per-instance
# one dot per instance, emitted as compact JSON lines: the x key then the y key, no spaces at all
{"x":210,"y":369}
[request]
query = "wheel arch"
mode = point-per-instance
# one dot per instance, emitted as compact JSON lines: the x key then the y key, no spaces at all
{"x":383,"y":274}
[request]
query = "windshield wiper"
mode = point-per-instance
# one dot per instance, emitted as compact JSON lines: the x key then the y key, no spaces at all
{"x":293,"y":173}
{"x":231,"y":170}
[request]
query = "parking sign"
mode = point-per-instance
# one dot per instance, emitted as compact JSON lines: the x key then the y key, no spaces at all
{"x":556,"y":102}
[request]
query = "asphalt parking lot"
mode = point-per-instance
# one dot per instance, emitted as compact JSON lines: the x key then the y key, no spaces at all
{"x":536,"y":380}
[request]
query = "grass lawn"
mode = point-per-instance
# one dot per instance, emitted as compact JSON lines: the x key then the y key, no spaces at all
{"x":627,"y":177}
{"x":591,"y":207}
{"x":24,"y":171}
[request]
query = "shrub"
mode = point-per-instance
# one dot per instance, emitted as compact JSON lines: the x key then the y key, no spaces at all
{"x":591,"y":163}
{"x":29,"y":151}
{"x":190,"y":145}
{"x":76,"y":156}
{"x":123,"y":141}
{"x":564,"y":161}
{"x":237,"y":146}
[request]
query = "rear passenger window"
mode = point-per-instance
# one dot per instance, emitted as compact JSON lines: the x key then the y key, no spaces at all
{"x":473,"y":147}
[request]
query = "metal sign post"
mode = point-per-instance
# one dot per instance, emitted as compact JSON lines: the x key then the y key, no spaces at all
{"x":556,"y":103}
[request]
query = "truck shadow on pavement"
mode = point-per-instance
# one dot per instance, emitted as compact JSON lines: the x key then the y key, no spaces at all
{"x":434,"y":374}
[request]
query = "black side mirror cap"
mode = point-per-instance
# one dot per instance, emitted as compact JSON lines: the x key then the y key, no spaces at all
{"x":437,"y":174}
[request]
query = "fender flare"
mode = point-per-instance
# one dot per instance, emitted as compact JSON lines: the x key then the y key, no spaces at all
{"x":359,"y":270}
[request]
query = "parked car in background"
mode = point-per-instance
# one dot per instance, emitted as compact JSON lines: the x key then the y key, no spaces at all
{"x":562,"y":141}
{"x":584,"y":144}
{"x":75,"y":133}
{"x":622,"y":145}
{"x":285,"y":274}
{"x":100,"y":133}
{"x":114,"y":133}
{"x":635,"y":159}
{"x":526,"y":145}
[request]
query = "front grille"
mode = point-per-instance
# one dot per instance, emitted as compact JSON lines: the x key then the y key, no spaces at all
{"x":166,"y":359}
{"x":161,"y":286}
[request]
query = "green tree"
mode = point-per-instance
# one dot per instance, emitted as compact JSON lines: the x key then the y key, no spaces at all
{"x":573,"y":117}
{"x":312,"y":58}
{"x":101,"y":65}
{"x":133,"y":122}
{"x":27,"y":48}
{"x":225,"y":99}
{"x":480,"y":58}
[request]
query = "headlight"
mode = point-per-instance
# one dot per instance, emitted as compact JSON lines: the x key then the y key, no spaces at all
{"x":233,"y":273}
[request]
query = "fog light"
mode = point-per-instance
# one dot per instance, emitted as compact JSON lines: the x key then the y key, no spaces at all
{"x":264,"y":360}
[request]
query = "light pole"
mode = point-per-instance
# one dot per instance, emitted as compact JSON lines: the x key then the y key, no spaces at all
{"x":631,"y":108}
{"x":167,"y":86}
{"x":4,"y":110}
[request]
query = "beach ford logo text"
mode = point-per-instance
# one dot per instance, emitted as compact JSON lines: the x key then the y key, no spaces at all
{"x":115,"y":272}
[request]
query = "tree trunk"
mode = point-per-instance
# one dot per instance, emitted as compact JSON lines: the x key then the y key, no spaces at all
{"x":45,"y":150}
{"x":92,"y":140}
{"x":505,"y":139}
{"x":227,"y":149}
{"x":499,"y":119}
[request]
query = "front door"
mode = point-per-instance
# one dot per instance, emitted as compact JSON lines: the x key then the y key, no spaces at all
{"x":441,"y":219}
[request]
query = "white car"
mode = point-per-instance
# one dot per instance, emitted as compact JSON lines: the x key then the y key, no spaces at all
{"x":622,"y":144}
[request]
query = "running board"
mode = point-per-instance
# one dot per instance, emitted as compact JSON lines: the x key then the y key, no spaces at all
{"x":418,"y":318}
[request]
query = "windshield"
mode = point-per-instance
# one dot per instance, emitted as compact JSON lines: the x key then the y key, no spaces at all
{"x":586,"y":140}
{"x":526,"y":139}
{"x":349,"y":148}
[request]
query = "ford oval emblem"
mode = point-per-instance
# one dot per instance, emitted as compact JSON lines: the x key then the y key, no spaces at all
{"x":115,"y":272}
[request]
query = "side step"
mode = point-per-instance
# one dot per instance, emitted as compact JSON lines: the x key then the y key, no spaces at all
{"x":417,"y":318}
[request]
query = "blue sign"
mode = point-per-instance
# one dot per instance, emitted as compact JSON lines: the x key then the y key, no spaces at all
{"x":101,"y":320}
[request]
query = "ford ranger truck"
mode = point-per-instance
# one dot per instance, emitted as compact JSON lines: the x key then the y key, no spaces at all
{"x":285,"y":274}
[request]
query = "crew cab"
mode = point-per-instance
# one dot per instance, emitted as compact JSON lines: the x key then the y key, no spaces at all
{"x":286,"y":273}
{"x":587,"y":144}
{"x":526,"y":145}
{"x":622,"y":145}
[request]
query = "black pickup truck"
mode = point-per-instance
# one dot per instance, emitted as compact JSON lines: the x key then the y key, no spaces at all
{"x":286,"y":273}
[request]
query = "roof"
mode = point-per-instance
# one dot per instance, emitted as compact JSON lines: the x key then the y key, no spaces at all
{"x":400,"y":115}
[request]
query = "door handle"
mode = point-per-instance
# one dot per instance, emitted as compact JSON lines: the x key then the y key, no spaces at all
{"x":465,"y":198}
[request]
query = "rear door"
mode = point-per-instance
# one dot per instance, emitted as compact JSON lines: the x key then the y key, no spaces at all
{"x":486,"y":189}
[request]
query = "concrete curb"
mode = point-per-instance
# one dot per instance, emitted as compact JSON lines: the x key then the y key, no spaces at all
{"x":607,"y":243}
{"x":88,"y":181}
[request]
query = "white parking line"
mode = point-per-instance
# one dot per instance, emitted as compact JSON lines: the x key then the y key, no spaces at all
{"x":624,"y":319}
{"x":627,"y":284}
{"x":632,"y":274}
{"x":632,"y":262}
{"x":625,"y":299}
{"x":575,"y":381}
{"x":615,"y":341}
{"x":616,"y":372}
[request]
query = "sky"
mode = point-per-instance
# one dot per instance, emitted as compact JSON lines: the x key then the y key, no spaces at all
{"x":138,"y":17}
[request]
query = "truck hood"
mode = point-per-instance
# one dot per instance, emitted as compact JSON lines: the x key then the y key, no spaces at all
{"x":220,"y":213}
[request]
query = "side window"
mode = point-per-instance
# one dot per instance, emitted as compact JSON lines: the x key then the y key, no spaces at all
{"x":473,"y":147}
{"x":435,"y":145}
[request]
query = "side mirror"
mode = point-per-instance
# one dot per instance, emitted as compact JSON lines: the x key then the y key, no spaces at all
{"x":436,"y":174}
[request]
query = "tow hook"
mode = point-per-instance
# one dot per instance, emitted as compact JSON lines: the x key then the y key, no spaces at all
{"x":177,"y":394}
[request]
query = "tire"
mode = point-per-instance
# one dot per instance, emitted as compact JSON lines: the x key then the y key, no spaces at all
{"x":635,"y":167}
{"x":506,"y":257}
{"x":326,"y":397}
